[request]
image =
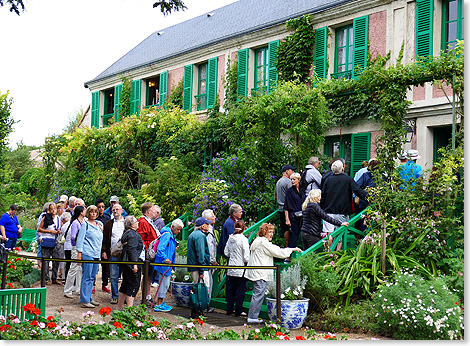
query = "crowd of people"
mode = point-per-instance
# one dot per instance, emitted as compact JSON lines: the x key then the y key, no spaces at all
{"x":70,"y":230}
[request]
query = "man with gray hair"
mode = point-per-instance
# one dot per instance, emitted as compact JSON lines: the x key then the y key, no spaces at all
{"x":212,"y":243}
{"x":312,"y":174}
{"x":336,"y":195}
{"x":235,"y":213}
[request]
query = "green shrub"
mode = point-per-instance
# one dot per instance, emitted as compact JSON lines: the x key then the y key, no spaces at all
{"x":359,"y":317}
{"x":322,"y":286}
{"x":414,"y":308}
{"x":31,"y":278}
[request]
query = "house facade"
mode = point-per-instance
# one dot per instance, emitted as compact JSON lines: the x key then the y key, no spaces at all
{"x":196,"y":53}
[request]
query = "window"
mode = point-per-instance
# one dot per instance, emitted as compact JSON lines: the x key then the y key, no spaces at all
{"x":202,"y":87}
{"x":353,"y":148}
{"x":108,"y":112}
{"x":153,"y":91}
{"x":261,"y":69}
{"x":442,"y":136}
{"x":452,"y":23}
{"x":344,"y":52}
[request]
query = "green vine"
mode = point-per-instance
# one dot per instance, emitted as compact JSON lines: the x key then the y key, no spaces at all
{"x":295,"y":54}
{"x":125,"y":99}
{"x":176,"y":96}
{"x":230,"y":84}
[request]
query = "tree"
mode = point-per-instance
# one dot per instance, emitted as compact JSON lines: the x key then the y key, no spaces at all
{"x":15,"y":5}
{"x":166,"y":6}
{"x":19,"y":160}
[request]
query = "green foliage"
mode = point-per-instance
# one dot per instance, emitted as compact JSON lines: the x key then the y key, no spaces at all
{"x":230,"y":84}
{"x":417,"y":309}
{"x":74,"y":121}
{"x":292,"y":284}
{"x":181,"y":274}
{"x":358,"y":317}
{"x":125,"y":98}
{"x":17,"y":268}
{"x":33,"y":182}
{"x":176,"y":96}
{"x":19,"y":160}
{"x":295,"y":54}
{"x":29,"y":279}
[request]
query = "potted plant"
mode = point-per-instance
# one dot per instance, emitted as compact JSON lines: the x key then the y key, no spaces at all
{"x":294,"y":306}
{"x":181,"y":283}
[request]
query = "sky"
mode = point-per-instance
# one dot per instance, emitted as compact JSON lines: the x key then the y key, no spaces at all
{"x":50,"y":50}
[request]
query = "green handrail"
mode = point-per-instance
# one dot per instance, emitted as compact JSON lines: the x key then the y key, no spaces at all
{"x":251,"y":232}
{"x":340,"y":234}
{"x":186,"y":228}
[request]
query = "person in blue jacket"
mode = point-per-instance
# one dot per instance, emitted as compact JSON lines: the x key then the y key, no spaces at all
{"x":166,"y":253}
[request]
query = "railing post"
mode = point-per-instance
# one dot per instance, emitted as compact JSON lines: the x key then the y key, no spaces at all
{"x":4,"y":273}
{"x":278,"y":293}
{"x":43,"y":272}
{"x":144,"y":280}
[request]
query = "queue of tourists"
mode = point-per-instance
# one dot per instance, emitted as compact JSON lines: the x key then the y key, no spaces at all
{"x":70,"y":230}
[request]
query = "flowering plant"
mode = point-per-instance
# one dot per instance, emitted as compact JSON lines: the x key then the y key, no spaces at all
{"x":292,"y":284}
{"x":181,"y":274}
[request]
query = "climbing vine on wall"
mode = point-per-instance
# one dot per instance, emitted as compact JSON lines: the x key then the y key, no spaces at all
{"x":295,"y":53}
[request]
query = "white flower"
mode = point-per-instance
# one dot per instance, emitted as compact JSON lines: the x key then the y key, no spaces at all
{"x":282,"y":295}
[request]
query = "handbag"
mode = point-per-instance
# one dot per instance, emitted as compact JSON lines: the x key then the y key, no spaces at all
{"x":199,"y":296}
{"x":48,"y":242}
{"x":298,"y":214}
{"x":116,"y":249}
{"x":151,"y":252}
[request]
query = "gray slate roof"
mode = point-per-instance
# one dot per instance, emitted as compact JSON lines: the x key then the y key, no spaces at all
{"x":230,"y":21}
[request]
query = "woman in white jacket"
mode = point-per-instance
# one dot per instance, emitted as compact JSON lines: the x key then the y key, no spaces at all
{"x":237,"y":250}
{"x":262,"y":254}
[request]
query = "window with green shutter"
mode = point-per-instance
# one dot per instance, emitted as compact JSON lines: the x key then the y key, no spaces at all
{"x":261,"y":69}
{"x":360,"y":150}
{"x":117,"y":98}
{"x":441,"y":137}
{"x":188,"y":88}
{"x":424,"y":27}
{"x":95,"y":109}
{"x":211,"y":82}
{"x":272,"y":71}
{"x":202,"y":87}
{"x":108,"y":111}
{"x":360,"y":44}
{"x":344,"y":52}
{"x":163,"y":88}
{"x":338,"y":147}
{"x":242,"y":75}
{"x":452,"y":23}
{"x":152,"y":95}
{"x":320,"y":60}
{"x":135,"y":96}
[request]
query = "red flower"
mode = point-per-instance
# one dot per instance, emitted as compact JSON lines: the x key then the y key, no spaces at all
{"x":29,"y":307}
{"x":197,"y":320}
{"x":10,"y":285}
{"x":279,"y":333}
{"x":105,"y":311}
{"x":327,"y":337}
{"x":299,"y":337}
{"x":12,"y":267}
{"x":36,"y":312}
{"x":51,"y":325}
{"x":18,"y":259}
{"x":50,"y":318}
{"x":155,"y":323}
{"x":133,"y":334}
{"x":4,"y":328}
{"x":117,"y":325}
{"x":34,"y":323}
{"x":8,"y":262}
{"x":17,"y":248}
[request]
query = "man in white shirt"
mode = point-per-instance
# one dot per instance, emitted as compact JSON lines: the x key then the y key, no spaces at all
{"x":313,"y":175}
{"x":112,"y":232}
{"x":212,"y":242}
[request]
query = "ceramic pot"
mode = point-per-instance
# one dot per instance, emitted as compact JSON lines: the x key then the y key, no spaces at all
{"x":293,"y":312}
{"x":180,"y":292}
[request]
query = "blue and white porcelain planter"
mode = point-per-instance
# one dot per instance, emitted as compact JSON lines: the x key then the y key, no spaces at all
{"x":180,"y":292}
{"x":293,"y":312}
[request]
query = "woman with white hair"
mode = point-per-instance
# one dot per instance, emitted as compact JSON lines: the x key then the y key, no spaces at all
{"x":166,"y":253}
{"x":312,"y":215}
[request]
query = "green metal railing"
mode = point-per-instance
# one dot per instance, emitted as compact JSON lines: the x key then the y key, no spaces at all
{"x":13,"y":300}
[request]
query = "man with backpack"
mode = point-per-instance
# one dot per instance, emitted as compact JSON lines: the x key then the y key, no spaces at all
{"x":112,"y":232}
{"x":310,"y":178}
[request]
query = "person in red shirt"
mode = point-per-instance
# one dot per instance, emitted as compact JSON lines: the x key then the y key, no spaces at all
{"x":149,"y":232}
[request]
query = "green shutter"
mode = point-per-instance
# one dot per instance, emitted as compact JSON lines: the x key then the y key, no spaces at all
{"x":272,"y":71}
{"x":360,"y":150}
{"x":163,"y":88}
{"x":211,"y":82}
{"x":117,"y":98}
{"x":188,"y":88}
{"x":424,"y":20}
{"x":360,"y":45}
{"x":135,"y":96}
{"x":242,"y":78}
{"x":321,"y":52}
{"x":95,"y":109}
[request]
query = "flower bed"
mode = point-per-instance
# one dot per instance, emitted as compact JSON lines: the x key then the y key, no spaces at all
{"x":130,"y":323}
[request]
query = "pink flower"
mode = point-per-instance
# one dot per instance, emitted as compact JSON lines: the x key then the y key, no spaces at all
{"x":437,"y":213}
